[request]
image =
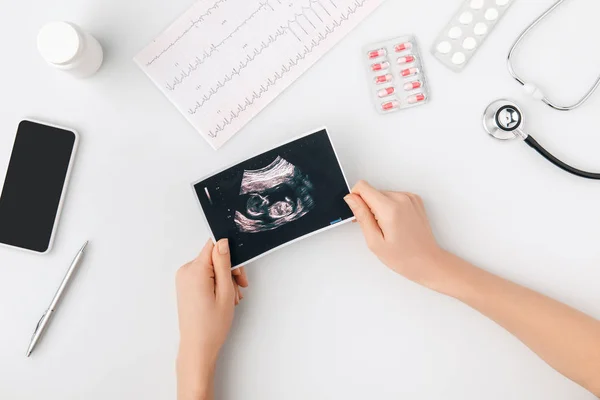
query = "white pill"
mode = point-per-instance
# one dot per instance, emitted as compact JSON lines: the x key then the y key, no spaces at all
{"x":502,"y":2}
{"x":470,"y":43}
{"x":491,"y":14}
{"x":444,"y":47}
{"x":459,"y":58}
{"x":480,"y":29}
{"x":466,"y":18}
{"x":455,"y":32}
{"x":476,"y":4}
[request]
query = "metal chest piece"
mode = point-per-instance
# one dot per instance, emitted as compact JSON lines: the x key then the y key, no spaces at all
{"x":503,"y":120}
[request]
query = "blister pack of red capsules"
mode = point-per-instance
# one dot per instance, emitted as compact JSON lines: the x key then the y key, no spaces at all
{"x":396,"y":74}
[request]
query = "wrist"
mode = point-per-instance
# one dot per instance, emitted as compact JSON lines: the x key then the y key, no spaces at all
{"x":195,"y":374}
{"x":203,"y":352}
{"x":459,"y":279}
{"x":451,"y":274}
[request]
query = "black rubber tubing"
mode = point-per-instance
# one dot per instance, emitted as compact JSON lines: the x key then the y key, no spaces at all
{"x":546,"y":154}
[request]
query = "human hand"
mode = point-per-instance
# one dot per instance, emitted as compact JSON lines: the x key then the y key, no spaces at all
{"x":207,"y":292}
{"x":397,"y":230}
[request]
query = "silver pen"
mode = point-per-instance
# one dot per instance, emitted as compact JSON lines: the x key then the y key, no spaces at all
{"x":43,"y":322}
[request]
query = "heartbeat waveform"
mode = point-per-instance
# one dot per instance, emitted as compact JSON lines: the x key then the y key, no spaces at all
{"x":285,"y":69}
{"x":236,"y":71}
{"x":186,"y":31}
{"x":207,"y":54}
{"x":309,"y":7}
{"x":283,"y":29}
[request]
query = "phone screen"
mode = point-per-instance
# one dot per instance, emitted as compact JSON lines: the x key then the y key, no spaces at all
{"x":32,"y":191}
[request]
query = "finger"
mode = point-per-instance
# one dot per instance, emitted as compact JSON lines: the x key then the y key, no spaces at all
{"x":205,"y":256}
{"x":236,"y":287}
{"x":365,"y":218}
{"x":203,"y":262}
{"x":239,"y":291}
{"x":240,"y":277}
{"x":222,"y":262}
{"x":417,"y":201}
{"x":373,"y":197}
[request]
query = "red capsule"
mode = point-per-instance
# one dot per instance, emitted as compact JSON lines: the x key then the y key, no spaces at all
{"x":417,"y":98}
{"x":386,"y":92}
{"x":377,"y":53}
{"x":403,"y":47}
{"x":383,"y":78}
{"x":412,"y":85}
{"x":390,"y":105}
{"x":409,"y":72}
{"x":406,"y":59}
{"x":380,"y":66}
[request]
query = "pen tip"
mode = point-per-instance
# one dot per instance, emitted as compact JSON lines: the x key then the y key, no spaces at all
{"x":84,"y":245}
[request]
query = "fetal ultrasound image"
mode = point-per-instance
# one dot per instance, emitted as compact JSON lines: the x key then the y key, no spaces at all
{"x":276,"y":197}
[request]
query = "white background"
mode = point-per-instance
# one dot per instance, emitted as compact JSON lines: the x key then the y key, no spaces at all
{"x":322,"y":318}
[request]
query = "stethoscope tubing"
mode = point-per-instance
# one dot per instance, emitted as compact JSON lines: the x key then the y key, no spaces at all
{"x":512,"y":72}
{"x":560,"y":164}
{"x":503,"y":120}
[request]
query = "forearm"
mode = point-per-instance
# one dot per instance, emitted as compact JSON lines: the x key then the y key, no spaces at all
{"x":565,"y":338}
{"x":194,"y":379}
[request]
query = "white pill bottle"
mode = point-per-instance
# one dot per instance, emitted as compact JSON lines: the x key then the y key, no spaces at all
{"x":68,"y":48}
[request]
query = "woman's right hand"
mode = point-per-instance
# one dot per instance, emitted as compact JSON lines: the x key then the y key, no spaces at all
{"x":397,"y":230}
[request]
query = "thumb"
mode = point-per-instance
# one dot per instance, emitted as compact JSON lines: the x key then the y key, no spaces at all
{"x":222,"y":262}
{"x":365,"y":218}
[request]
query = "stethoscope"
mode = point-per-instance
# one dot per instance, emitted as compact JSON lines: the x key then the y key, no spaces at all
{"x":503,"y":119}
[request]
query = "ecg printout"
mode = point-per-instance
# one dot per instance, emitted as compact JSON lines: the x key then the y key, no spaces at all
{"x":223,"y":61}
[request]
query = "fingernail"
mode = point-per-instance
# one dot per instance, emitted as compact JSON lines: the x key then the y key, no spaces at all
{"x":223,"y":246}
{"x":350,"y":201}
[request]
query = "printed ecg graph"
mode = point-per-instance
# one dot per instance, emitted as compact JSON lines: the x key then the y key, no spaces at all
{"x":223,"y":61}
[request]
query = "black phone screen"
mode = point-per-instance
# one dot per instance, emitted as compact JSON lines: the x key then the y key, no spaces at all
{"x":34,"y":183}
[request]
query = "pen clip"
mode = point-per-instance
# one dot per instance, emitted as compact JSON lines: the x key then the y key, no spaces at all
{"x":38,"y":324}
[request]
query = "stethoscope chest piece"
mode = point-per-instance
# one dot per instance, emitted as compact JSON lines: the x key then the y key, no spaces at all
{"x":503,"y":120}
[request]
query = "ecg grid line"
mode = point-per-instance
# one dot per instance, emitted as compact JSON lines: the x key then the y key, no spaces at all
{"x":206,"y":55}
{"x":311,"y":25}
{"x":283,"y":29}
{"x":193,"y":24}
{"x":265,"y":87}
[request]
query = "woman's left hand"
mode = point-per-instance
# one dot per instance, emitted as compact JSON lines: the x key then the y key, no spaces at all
{"x":207,"y":293}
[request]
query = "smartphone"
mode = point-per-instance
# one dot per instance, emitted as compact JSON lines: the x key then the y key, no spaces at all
{"x":35,"y":185}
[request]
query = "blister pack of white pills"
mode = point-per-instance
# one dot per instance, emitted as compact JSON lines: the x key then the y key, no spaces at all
{"x":396,"y":74}
{"x":466,"y":32}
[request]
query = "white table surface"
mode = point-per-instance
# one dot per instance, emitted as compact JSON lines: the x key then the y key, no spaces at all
{"x":322,"y":318}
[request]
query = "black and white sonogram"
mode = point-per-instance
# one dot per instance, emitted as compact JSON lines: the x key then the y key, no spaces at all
{"x":276,"y":197}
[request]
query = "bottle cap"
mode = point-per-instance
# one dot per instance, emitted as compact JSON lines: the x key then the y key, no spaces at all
{"x":59,"y":42}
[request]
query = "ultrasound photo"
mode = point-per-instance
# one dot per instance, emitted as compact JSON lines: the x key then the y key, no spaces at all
{"x":276,"y":198}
